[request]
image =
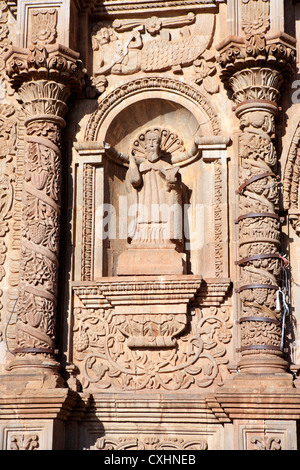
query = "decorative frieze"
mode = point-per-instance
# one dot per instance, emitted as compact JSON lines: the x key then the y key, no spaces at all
{"x":151,"y":443}
{"x":154,"y":341}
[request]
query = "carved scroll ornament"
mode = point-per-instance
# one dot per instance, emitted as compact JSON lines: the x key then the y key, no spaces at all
{"x":291,"y":181}
{"x":109,"y":359}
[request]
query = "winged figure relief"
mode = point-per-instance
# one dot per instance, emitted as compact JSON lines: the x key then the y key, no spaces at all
{"x":129,"y":52}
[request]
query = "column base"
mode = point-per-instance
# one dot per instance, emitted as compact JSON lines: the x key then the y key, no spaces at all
{"x":262,"y":381}
{"x":263,"y":371}
{"x":29,"y":373}
{"x":35,"y":419}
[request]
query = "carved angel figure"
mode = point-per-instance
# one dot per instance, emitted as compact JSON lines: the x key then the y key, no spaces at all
{"x":154,"y":186}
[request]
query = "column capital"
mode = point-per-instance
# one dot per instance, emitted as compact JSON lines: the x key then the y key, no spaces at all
{"x":255,"y":68}
{"x":55,"y":63}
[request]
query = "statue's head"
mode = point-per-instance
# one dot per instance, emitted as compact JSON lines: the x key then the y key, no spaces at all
{"x":152,"y":145}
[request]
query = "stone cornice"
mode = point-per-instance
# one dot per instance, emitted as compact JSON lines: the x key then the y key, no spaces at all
{"x":112,"y":7}
{"x":246,"y":404}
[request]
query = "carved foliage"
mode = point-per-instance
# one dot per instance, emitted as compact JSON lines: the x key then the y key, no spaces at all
{"x":255,"y":19}
{"x":40,"y":237}
{"x":151,"y":443}
{"x":4,"y":45}
{"x":107,"y":359}
{"x":266,"y":443}
{"x":24,"y":442}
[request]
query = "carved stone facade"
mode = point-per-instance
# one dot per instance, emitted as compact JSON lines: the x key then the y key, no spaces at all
{"x":149,"y":225}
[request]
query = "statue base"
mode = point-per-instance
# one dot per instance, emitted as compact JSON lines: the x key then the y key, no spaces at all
{"x":151,"y":261}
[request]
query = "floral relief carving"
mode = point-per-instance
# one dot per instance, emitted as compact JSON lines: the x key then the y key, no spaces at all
{"x":40,"y":238}
{"x":44,"y":24}
{"x":255,"y":19}
{"x":24,"y":442}
{"x":151,"y":443}
{"x":266,"y":443}
{"x":108,"y":357}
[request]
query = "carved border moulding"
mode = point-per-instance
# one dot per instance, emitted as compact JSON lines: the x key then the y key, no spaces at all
{"x":90,"y":158}
{"x":254,"y":70}
{"x":148,"y":334}
{"x":112,"y":7}
{"x":8,"y":149}
{"x":140,"y":85}
{"x":291,"y":177}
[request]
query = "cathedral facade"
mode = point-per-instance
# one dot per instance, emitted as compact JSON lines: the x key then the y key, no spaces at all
{"x":149,"y":225}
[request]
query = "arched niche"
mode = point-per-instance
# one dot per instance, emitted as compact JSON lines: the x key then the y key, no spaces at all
{"x":121,"y":117}
{"x":148,"y":88}
{"x":151,"y":112}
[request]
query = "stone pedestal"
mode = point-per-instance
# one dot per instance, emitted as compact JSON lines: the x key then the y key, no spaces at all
{"x":150,"y":261}
{"x":34,"y":419}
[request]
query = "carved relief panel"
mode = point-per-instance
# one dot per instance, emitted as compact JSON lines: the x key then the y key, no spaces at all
{"x":151,"y":290}
{"x":46,"y":23}
{"x":152,"y":44}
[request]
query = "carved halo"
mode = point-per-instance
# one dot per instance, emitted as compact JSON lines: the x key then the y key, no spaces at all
{"x":169,"y":142}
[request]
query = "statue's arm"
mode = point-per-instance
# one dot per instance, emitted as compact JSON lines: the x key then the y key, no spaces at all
{"x":115,"y":155}
{"x":135,"y":177}
{"x":190,"y":154}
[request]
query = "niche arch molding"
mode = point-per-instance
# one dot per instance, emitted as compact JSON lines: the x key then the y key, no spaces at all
{"x":166,"y":89}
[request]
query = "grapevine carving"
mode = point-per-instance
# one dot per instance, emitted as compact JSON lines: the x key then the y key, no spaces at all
{"x":106,"y":359}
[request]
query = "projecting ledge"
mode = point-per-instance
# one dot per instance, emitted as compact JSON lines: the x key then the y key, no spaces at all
{"x":253,"y":404}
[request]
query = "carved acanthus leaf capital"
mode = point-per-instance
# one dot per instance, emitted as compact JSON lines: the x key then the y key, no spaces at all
{"x":257,"y":69}
{"x":54,"y":63}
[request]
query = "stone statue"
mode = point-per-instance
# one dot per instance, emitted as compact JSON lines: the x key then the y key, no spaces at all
{"x":155,"y":190}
